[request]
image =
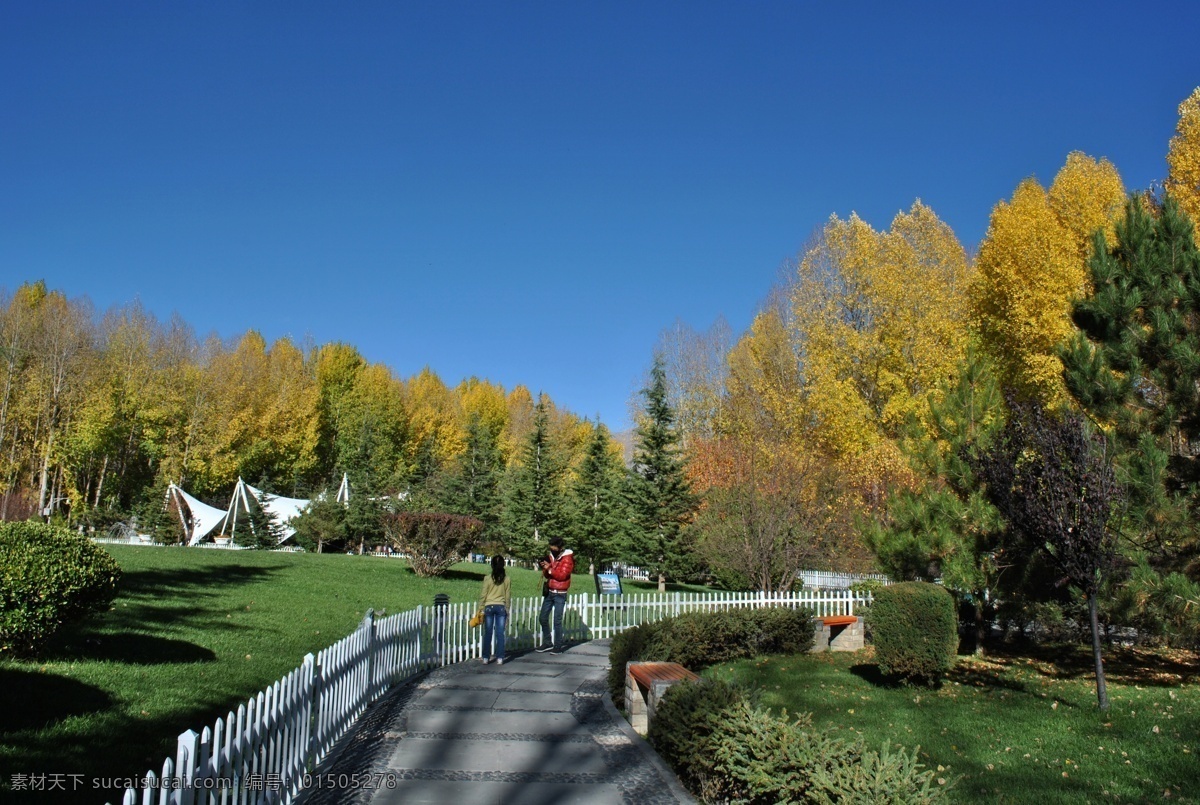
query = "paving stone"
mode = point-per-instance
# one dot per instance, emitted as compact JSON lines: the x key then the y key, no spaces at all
{"x":486,"y":753}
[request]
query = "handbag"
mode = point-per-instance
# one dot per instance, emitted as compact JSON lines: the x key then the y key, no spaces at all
{"x":476,"y":619}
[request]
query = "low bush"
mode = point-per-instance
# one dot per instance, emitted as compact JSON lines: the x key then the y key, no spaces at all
{"x":725,"y":749}
{"x":915,"y":630}
{"x":49,"y":576}
{"x":684,"y":726}
{"x":697,"y":640}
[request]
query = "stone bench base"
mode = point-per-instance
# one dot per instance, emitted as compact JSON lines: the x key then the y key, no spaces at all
{"x":838,"y":633}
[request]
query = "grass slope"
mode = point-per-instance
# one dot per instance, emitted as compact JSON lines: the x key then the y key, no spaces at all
{"x":1015,"y":727}
{"x":192,"y":634}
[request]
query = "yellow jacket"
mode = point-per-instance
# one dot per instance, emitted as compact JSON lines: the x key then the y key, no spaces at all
{"x":494,"y":593}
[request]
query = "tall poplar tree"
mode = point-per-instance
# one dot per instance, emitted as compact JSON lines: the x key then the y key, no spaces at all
{"x":661,"y":494}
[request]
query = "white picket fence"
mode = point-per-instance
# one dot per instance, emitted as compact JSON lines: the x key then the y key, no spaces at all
{"x":828,"y":580}
{"x":268,"y":750}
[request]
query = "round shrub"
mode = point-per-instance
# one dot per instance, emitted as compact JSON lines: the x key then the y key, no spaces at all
{"x":49,"y":576}
{"x":915,"y":630}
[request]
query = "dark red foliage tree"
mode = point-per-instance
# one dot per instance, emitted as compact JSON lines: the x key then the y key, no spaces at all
{"x":1051,"y":478}
{"x":433,"y":542}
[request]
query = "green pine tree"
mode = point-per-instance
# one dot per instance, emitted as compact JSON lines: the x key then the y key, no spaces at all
{"x":600,"y":505}
{"x":534,"y":504}
{"x":158,"y":518}
{"x":322,"y":526}
{"x":1135,"y":369}
{"x":262,"y":530}
{"x":472,"y":485}
{"x":947,"y":529}
{"x":661,"y":494}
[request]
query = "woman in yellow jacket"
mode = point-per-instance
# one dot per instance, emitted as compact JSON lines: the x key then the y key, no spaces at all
{"x":495,"y":601}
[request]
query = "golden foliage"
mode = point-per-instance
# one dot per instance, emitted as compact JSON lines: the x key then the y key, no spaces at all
{"x":1087,"y":195}
{"x":1032,"y":264}
{"x":1183,"y":158}
{"x":879,"y":318}
{"x":435,"y":416}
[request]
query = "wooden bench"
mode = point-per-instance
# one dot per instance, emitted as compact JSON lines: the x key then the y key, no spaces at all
{"x":838,"y":633}
{"x":645,"y":684}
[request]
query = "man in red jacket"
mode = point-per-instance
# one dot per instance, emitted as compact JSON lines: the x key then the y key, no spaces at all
{"x":557,"y":567}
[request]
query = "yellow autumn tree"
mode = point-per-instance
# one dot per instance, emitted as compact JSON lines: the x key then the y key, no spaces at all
{"x":436,"y":422}
{"x":487,"y":399}
{"x":763,"y":393}
{"x":1183,"y":158}
{"x":1033,"y":263}
{"x":879,"y":319}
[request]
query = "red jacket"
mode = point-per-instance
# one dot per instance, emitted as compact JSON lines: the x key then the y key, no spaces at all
{"x":558,"y":571}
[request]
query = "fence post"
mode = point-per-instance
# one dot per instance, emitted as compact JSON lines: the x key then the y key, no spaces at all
{"x":369,"y":622}
{"x":441,"y":608}
{"x":185,"y":760}
{"x":314,"y":710}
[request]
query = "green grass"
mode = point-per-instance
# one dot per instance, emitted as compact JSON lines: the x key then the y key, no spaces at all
{"x":192,"y":634}
{"x":1017,"y":726}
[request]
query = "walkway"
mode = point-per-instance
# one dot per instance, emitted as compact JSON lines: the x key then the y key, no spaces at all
{"x":538,"y":730}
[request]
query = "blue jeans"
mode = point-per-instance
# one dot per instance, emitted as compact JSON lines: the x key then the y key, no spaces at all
{"x":495,"y":618}
{"x":559,"y":602}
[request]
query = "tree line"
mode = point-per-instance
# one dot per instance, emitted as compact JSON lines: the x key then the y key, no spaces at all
{"x":899,"y":403}
{"x":99,"y":413}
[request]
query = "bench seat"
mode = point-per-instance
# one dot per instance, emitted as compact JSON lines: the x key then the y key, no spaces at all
{"x":645,"y":684}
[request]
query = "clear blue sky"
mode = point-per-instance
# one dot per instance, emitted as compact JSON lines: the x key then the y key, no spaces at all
{"x":532,"y":192}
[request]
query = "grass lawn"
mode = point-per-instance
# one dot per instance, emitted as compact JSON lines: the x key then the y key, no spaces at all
{"x":192,"y":634}
{"x":1019,"y":726}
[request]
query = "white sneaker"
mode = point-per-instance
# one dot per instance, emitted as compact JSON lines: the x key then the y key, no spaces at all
{"x":485,"y":660}
{"x":500,"y":661}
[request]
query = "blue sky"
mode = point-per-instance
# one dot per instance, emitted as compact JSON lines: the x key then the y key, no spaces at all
{"x":533,"y":192}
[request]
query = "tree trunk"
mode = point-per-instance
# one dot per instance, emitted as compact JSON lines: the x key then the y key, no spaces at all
{"x":662,"y":582}
{"x":1101,"y":688}
{"x":100,"y":483}
{"x":978,"y":626}
{"x":44,"y":477}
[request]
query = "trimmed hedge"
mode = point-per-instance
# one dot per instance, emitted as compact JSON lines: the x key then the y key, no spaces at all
{"x":49,"y":576}
{"x":697,"y":640}
{"x":725,"y":749}
{"x":914,"y":627}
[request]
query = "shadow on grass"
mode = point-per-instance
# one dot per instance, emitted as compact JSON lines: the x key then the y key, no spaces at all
{"x":129,"y":648}
{"x":176,"y":596}
{"x":870,"y":673}
{"x":460,"y":575}
{"x":31,"y":700}
{"x":1126,"y":666}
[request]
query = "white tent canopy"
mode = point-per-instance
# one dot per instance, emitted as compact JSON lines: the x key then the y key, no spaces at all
{"x":281,"y":508}
{"x":200,"y":520}
{"x":203,"y":518}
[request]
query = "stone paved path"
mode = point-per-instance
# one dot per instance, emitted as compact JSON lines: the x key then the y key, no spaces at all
{"x":538,"y":730}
